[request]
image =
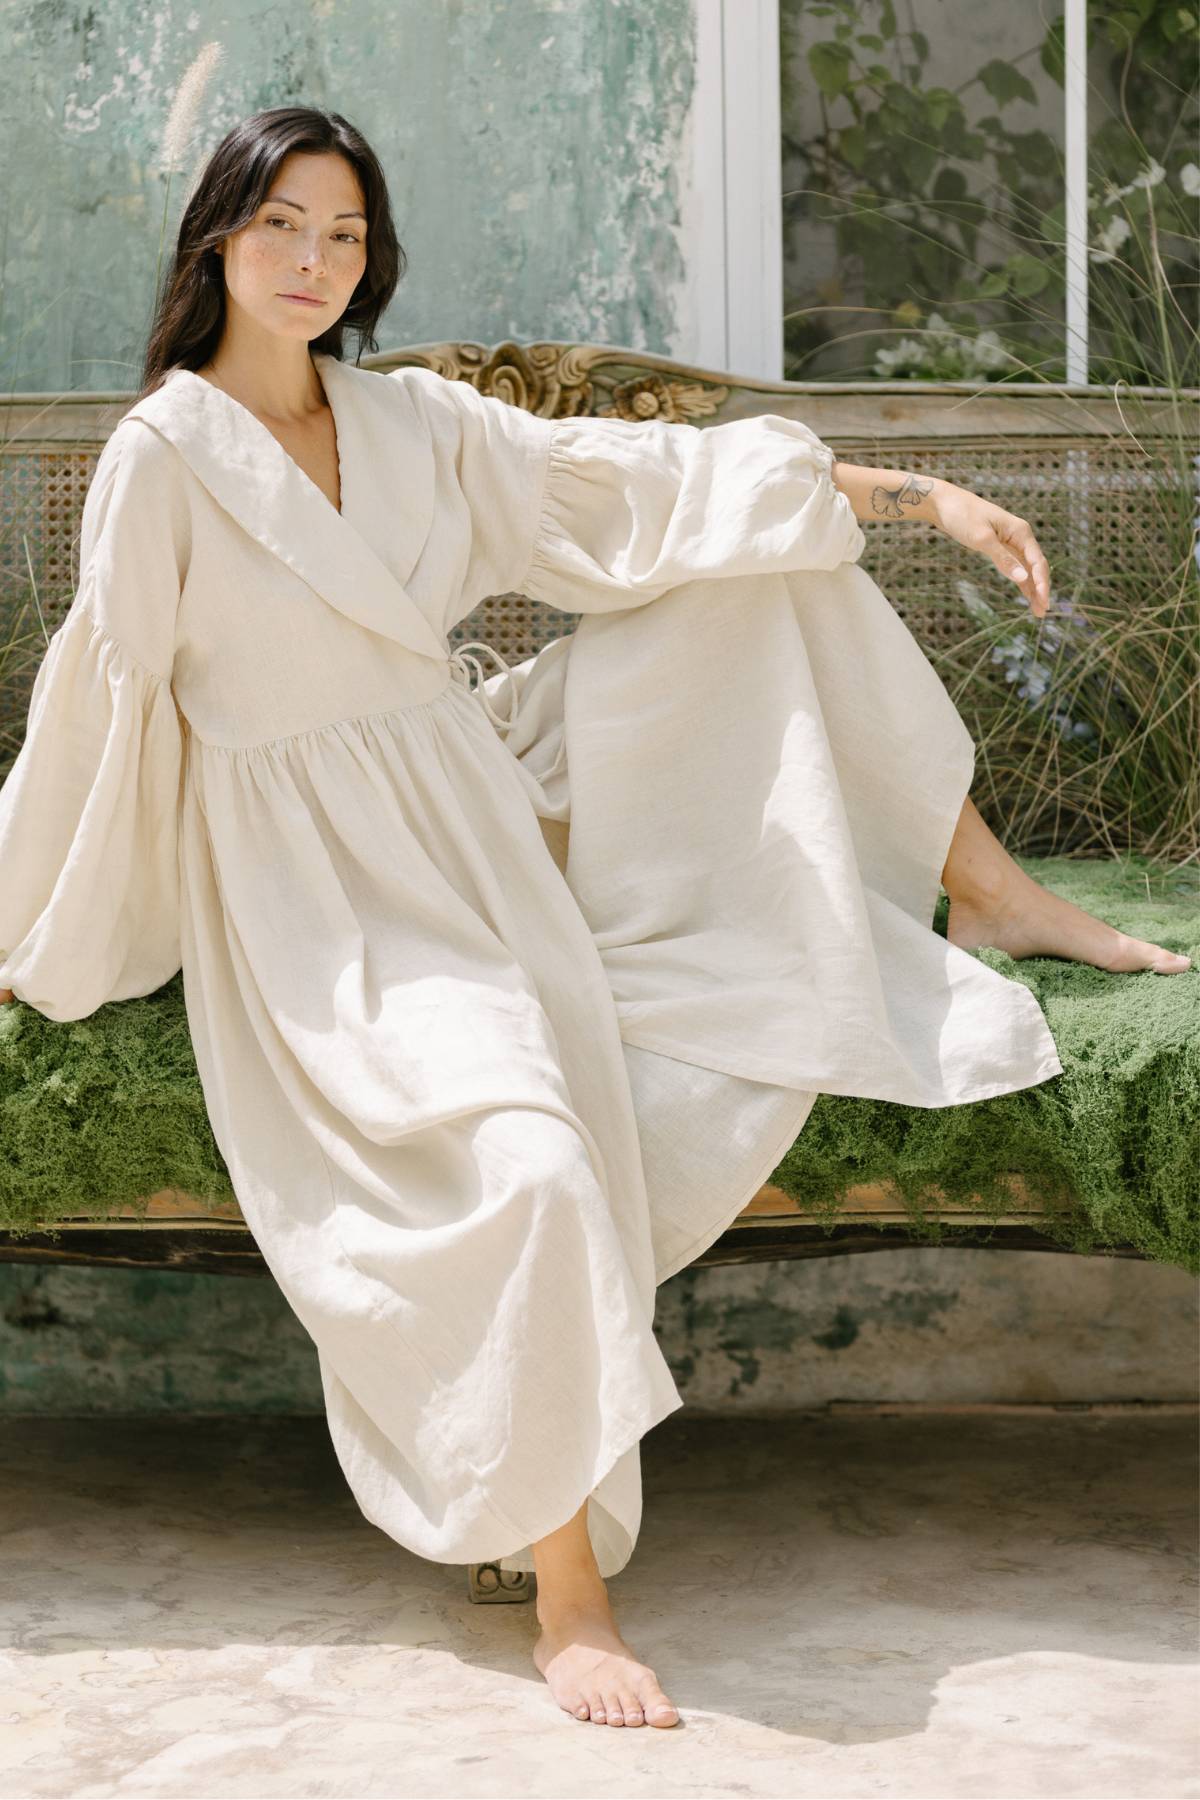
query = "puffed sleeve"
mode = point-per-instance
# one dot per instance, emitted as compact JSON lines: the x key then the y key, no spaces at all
{"x":89,"y":880}
{"x":599,"y":514}
{"x":632,"y":509}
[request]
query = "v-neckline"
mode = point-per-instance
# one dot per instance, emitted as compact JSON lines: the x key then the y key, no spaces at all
{"x":319,"y":356}
{"x":263,"y":488}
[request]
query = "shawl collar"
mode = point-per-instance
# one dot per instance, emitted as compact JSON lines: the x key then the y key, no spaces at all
{"x":386,"y":470}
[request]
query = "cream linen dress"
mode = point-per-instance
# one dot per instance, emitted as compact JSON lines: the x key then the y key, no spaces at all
{"x":507,"y":989}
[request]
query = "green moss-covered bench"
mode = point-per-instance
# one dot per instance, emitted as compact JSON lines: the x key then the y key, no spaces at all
{"x":106,"y":1155}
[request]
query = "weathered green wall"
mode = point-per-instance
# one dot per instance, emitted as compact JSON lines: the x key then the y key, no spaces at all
{"x":532,"y":149}
{"x":937,"y":1326}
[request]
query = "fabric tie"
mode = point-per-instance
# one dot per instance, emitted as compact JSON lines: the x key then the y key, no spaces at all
{"x":461,"y":664}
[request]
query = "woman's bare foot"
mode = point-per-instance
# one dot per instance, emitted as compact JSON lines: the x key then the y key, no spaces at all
{"x":1024,"y":919}
{"x":589,"y":1668}
{"x":994,"y":902}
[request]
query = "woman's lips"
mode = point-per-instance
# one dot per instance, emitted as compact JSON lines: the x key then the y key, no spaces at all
{"x":302,"y":300}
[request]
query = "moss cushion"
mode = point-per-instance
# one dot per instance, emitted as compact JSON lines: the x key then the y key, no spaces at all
{"x":104,"y":1111}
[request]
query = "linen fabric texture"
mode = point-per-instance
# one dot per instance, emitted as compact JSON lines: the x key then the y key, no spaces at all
{"x":498,"y":1024}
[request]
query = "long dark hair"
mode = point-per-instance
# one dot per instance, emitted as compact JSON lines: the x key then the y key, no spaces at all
{"x":190,"y":315}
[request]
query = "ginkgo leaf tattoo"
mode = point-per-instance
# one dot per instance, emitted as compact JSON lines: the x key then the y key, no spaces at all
{"x":890,"y":502}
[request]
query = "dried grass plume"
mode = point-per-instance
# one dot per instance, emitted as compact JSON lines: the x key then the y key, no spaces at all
{"x":181,"y":120}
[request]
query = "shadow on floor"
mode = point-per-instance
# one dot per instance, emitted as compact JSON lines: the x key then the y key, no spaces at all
{"x":838,"y":1606}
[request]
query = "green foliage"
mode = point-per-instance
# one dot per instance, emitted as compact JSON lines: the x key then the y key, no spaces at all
{"x":935,"y":204}
{"x":948,"y":227}
{"x":1087,"y":722}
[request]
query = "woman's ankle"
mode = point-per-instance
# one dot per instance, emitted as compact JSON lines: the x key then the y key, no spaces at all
{"x":568,"y":1576}
{"x":558,"y":1598}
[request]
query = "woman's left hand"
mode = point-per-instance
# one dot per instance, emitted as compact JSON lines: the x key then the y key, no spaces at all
{"x":1000,"y":536}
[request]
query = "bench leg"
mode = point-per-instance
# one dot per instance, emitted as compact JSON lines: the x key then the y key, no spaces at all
{"x":489,"y":1582}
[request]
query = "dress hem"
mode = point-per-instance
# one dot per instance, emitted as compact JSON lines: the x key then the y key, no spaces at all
{"x":521,"y":1559}
{"x":709,"y":1235}
{"x":1047,"y":1065}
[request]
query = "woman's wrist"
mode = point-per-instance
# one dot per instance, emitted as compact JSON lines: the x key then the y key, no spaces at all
{"x":889,"y":494}
{"x":1003,"y":537}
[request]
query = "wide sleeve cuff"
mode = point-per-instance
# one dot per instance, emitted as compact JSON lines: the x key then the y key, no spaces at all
{"x":630,"y":510}
{"x":89,"y":877}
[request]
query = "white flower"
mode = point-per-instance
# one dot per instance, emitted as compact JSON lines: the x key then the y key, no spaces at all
{"x":906,"y":351}
{"x":1189,"y":179}
{"x":1111,"y":238}
{"x":1147,"y":178}
{"x":989,"y":352}
{"x":1150,"y":176}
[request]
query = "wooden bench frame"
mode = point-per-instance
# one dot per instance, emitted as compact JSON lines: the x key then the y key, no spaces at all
{"x":179,"y":1232}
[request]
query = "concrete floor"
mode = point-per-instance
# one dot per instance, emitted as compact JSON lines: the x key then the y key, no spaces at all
{"x":839,"y":1604}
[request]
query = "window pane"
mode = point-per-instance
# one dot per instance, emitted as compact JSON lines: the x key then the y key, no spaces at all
{"x":923,"y":183}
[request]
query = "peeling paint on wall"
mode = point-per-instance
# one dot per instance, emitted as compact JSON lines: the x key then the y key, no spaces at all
{"x":935,"y":1325}
{"x":532,"y":148}
{"x":924,"y":1324}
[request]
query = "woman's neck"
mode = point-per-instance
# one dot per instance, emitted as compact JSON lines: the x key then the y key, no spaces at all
{"x":282,"y":385}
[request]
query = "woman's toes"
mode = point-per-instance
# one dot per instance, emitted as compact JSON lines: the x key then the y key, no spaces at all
{"x":1171,"y":962}
{"x":596,"y":1710}
{"x":613,"y":1708}
{"x":630,"y":1705}
{"x":1130,"y":954}
{"x":656,"y":1708}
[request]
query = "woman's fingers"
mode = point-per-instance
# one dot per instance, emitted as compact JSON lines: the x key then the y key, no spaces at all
{"x":1027,"y":567}
{"x":1031,"y":571}
{"x":1001,"y":536}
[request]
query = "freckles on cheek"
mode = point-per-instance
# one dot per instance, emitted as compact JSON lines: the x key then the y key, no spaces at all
{"x":262,"y":268}
{"x":262,"y":255}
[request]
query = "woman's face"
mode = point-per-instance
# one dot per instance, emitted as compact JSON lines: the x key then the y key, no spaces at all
{"x":308,"y":237}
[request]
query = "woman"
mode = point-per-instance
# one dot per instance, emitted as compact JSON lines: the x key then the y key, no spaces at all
{"x":480,"y":1093}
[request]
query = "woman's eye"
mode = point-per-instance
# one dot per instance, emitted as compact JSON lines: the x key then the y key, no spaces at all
{"x":347,"y":237}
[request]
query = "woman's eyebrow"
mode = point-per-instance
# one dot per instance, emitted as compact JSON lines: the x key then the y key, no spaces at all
{"x":278,"y":200}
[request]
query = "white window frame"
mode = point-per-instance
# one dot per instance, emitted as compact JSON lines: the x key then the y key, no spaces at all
{"x":733,"y":214}
{"x":1075,"y":135}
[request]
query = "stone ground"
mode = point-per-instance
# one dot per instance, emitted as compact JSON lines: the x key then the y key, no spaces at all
{"x":840,"y":1603}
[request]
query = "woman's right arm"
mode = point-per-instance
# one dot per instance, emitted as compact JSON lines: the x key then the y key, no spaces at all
{"x":89,"y":879}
